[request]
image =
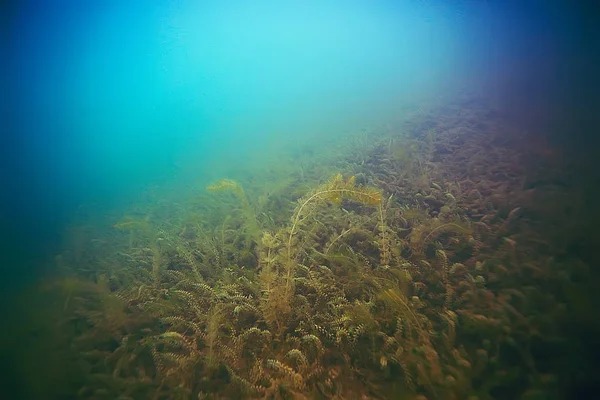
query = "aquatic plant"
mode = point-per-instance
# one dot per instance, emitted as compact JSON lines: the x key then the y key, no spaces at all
{"x":251,"y":223}
{"x":435,"y":290}
{"x":334,"y":190}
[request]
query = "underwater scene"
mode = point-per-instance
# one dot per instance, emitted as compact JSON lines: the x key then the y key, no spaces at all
{"x":241,"y":201}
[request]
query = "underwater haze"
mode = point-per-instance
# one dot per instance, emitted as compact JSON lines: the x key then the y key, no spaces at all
{"x":300,"y":199}
{"x":110,"y":97}
{"x":113,"y":96}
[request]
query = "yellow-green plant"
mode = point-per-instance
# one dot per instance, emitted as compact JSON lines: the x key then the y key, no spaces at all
{"x":385,"y":241}
{"x":152,"y":241}
{"x":253,"y":229}
{"x":141,"y":226}
{"x":274,"y":305}
{"x":415,"y":351}
{"x":334,"y":190}
{"x":424,"y":233}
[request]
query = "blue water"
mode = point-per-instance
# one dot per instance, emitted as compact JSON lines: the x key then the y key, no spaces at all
{"x":107,"y":98}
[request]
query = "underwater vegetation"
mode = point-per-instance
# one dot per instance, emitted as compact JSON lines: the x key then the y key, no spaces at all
{"x":423,"y":274}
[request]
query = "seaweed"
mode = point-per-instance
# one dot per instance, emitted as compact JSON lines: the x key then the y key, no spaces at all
{"x":419,"y":282}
